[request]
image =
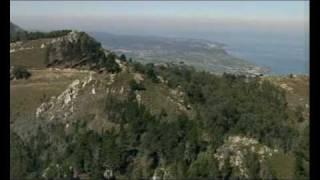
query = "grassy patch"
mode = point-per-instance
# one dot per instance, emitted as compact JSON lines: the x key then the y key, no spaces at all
{"x":297,"y":95}
{"x":31,"y":58}
{"x":27,"y":95}
{"x":157,"y":98}
{"x":282,"y":165}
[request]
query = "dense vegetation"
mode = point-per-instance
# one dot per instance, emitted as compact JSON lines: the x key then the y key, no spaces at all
{"x":26,"y":35}
{"x":19,"y":72}
{"x":236,"y":105}
{"x":145,"y":143}
{"x":302,"y":156}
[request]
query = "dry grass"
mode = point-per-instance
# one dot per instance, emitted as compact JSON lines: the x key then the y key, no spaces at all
{"x":299,"y":95}
{"x":27,"y":95}
{"x":156,"y":98}
{"x":30,"y":58}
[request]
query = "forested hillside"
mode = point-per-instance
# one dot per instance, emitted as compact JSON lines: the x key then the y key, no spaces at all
{"x":115,"y":118}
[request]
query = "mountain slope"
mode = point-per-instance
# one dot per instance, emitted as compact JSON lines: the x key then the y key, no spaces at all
{"x":69,"y":49}
{"x":155,"y":121}
{"x":14,"y":28}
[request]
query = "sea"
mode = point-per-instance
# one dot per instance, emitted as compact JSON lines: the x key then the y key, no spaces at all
{"x":283,"y":53}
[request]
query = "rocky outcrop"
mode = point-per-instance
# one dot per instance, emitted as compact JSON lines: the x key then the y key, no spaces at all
{"x":62,"y":107}
{"x":74,"y":49}
{"x":286,"y":87}
{"x":122,"y":65}
{"x":18,"y":46}
{"x":236,"y":148}
{"x":177,"y":97}
{"x":108,"y":174}
{"x":162,"y":80}
{"x":111,"y":79}
{"x":138,"y":77}
{"x":138,"y":97}
{"x":161,"y":174}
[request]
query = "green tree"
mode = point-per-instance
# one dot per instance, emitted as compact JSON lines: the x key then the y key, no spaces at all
{"x":134,"y":86}
{"x":123,"y":58}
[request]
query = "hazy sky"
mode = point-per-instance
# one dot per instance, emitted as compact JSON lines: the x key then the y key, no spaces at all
{"x":161,"y":16}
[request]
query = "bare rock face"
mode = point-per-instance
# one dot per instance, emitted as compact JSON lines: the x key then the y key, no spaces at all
{"x":74,"y":49}
{"x":138,"y":97}
{"x":111,"y":79}
{"x":93,"y":91}
{"x":63,"y":105}
{"x":286,"y":87}
{"x":236,"y":148}
{"x":121,"y":90}
{"x":161,"y":174}
{"x":122,"y":65}
{"x":177,"y":97}
{"x":59,"y":47}
{"x":108,"y":174}
{"x":138,"y":77}
{"x":17,"y":46}
{"x":161,"y":79}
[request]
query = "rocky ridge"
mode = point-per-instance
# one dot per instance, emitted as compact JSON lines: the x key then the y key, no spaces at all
{"x":62,"y":106}
{"x":77,"y":50}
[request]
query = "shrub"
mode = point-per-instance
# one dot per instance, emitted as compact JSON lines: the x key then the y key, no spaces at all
{"x":110,"y":64}
{"x":134,"y":86}
{"x":123,"y":57}
{"x":151,"y":73}
{"x":25,"y":35}
{"x":20,"y":73}
{"x":138,"y":67}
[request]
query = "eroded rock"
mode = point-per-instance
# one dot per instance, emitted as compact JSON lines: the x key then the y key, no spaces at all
{"x":63,"y":105}
{"x":236,"y":148}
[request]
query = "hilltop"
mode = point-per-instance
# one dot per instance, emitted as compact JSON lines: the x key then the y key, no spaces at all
{"x":89,"y":112}
{"x":14,"y":28}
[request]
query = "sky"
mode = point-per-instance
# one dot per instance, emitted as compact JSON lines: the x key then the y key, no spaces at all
{"x":161,"y":16}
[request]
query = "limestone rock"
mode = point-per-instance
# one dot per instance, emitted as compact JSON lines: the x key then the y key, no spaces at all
{"x":138,"y":77}
{"x":93,"y":91}
{"x":121,"y":90}
{"x":235,"y":148}
{"x":108,"y":174}
{"x":63,"y":106}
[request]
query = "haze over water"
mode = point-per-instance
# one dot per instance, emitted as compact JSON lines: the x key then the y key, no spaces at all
{"x":281,"y":52}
